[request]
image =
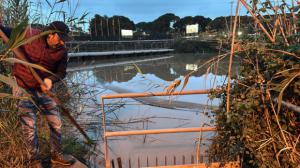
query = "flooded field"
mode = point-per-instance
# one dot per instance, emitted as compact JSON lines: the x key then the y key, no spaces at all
{"x":148,"y":74}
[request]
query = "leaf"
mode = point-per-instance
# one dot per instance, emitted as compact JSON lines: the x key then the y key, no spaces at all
{"x":10,"y":96}
{"x":15,"y":60}
{"x":186,"y":80}
{"x":283,"y":89}
{"x":81,"y":22}
{"x":71,"y":19}
{"x":29,"y":40}
{"x":84,"y":15}
{"x":4,"y":95}
{"x":17,"y":33}
{"x":138,"y":69}
{"x":9,"y":81}
{"x":49,"y":3}
{"x":60,"y":1}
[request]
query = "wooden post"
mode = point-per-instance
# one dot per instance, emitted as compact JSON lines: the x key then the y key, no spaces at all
{"x":192,"y":159}
{"x":156,"y":161}
{"x":112,"y":163}
{"x":174,"y":160}
{"x":183,"y":159}
{"x":129,"y":163}
{"x":119,"y":162}
{"x":165,"y":160}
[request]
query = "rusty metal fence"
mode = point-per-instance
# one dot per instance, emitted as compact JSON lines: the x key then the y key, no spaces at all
{"x":108,"y":134}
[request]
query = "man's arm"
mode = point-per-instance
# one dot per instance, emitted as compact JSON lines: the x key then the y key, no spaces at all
{"x":61,"y":70}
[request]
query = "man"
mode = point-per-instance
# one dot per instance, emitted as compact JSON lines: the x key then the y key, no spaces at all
{"x":49,"y":52}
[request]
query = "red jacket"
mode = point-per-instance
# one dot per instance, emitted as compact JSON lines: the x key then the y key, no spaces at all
{"x":38,"y":52}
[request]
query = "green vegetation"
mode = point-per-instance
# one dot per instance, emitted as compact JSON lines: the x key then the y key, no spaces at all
{"x":193,"y":46}
{"x":259,"y":126}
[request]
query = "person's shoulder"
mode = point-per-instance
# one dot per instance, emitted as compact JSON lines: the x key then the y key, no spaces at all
{"x":30,"y":32}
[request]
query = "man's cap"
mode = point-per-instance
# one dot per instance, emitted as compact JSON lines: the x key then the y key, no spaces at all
{"x":62,"y":28}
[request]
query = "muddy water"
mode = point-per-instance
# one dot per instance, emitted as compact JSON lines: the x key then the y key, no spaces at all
{"x":151,"y":74}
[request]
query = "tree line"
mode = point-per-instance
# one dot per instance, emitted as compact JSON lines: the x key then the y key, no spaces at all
{"x":166,"y":26}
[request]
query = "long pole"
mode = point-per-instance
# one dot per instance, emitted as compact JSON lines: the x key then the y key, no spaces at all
{"x":231,"y":57}
{"x":20,"y":55}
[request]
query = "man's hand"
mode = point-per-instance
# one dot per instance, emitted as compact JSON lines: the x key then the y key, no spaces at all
{"x":47,"y":86}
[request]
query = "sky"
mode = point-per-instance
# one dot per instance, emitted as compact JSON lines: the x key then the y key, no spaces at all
{"x":135,"y":10}
{"x":148,"y":10}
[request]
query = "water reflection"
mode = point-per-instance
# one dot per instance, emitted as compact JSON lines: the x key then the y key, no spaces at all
{"x":166,"y":68}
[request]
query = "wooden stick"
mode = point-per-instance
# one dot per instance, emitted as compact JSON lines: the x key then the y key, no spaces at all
{"x":231,"y":57}
{"x":257,"y":20}
{"x":149,"y":94}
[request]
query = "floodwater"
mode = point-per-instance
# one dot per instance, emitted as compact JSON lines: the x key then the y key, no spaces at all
{"x":149,"y":74}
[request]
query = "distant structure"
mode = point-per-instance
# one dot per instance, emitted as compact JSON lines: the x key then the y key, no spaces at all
{"x":192,"y":30}
{"x":126,"y":33}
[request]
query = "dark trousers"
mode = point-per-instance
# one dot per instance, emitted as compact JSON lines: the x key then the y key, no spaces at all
{"x":27,"y":111}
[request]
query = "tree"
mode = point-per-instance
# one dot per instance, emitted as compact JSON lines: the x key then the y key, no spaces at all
{"x":223,"y":24}
{"x":180,"y":26}
{"x":160,"y":27}
{"x":103,"y":27}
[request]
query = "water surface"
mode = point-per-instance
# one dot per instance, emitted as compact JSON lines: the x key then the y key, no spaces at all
{"x":151,"y":74}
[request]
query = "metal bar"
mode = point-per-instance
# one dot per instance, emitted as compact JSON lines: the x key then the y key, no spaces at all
{"x":149,"y":94}
{"x":159,"y":131}
{"x":123,"y":41}
{"x":107,"y":163}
